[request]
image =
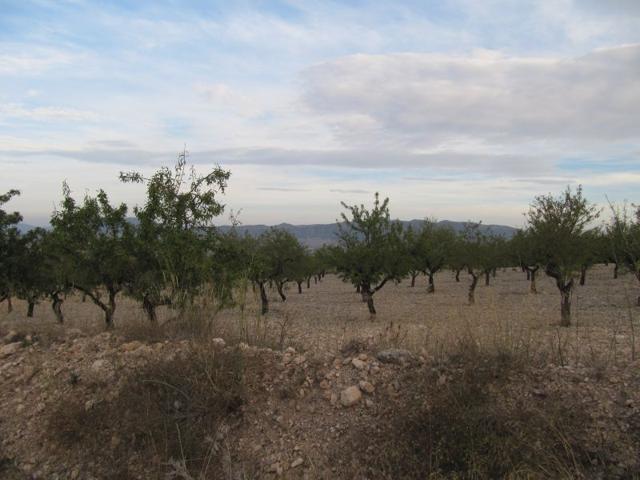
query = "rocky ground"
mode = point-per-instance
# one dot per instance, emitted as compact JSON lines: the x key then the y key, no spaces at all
{"x":314,"y":409}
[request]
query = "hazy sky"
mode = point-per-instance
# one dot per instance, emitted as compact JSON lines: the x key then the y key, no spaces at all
{"x":460,"y":109}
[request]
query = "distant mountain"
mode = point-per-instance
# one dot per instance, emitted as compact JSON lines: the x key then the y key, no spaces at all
{"x":317,"y":235}
{"x":25,"y":227}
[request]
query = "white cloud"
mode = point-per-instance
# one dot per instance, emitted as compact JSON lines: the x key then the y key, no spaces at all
{"x":420,"y":100}
{"x":15,"y":110}
{"x":27,"y":60}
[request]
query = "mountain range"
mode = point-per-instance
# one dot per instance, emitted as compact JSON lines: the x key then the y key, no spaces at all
{"x":317,"y":235}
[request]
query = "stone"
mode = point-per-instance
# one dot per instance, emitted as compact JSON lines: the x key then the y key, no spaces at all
{"x":357,"y":363}
{"x":102,"y":370}
{"x":275,"y":468}
{"x":11,"y":337}
{"x":366,"y":386}
{"x":297,"y":462}
{"x":369,"y":403}
{"x":299,"y":360}
{"x":350,"y":396}
{"x":10,"y":349}
{"x":131,"y":346}
{"x":218,"y":343}
{"x":363,"y":357}
{"x":395,"y":355}
{"x":324,"y":385}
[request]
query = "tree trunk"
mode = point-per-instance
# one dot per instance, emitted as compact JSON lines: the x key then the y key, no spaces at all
{"x":56,"y":305}
{"x":279,"y":286}
{"x":565,"y":307}
{"x":487,"y":274}
{"x":528,"y":274}
{"x":458,"y":275}
{"x":358,"y":288}
{"x":615,"y":271}
{"x":367,"y":296}
{"x":264,"y":300}
{"x":9,"y":305}
{"x":308,"y":282}
{"x":111,"y":309}
{"x":532,"y":285}
{"x":299,"y":287}
{"x":472,"y":288}
{"x":583,"y":274}
{"x":431,"y":288}
{"x":31,"y":305}
{"x":413,"y":279}
{"x":108,"y":308}
{"x":315,"y":279}
{"x":150,"y":309}
{"x":494,"y":272}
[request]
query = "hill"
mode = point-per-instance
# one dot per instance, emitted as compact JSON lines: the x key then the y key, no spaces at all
{"x":317,"y":235}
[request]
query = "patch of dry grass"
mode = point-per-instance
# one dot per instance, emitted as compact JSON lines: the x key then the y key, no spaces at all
{"x":474,"y":417}
{"x":170,"y":416}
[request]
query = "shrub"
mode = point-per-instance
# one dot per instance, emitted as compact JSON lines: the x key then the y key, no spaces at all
{"x":168,"y":414}
{"x":475,"y":417}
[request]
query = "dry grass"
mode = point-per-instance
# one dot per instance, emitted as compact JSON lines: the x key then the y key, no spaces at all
{"x":505,"y":317}
{"x":475,"y":418}
{"x":481,"y":422}
{"x":171,"y":417}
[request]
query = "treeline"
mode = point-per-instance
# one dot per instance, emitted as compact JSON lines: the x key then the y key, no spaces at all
{"x":173,"y":256}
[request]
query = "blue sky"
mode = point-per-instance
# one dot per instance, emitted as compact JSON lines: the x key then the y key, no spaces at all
{"x":455,"y":109}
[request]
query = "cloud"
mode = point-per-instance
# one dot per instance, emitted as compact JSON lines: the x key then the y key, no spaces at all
{"x":282,"y":189}
{"x":354,"y":190}
{"x":27,"y":60}
{"x":449,"y":161}
{"x":18,"y":111}
{"x":419,"y":100}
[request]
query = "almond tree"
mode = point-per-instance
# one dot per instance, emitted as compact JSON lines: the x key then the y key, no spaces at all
{"x":414,"y":248}
{"x":8,"y":243}
{"x":559,"y":228}
{"x":524,"y":250}
{"x":370,"y":251}
{"x":175,"y":236}
{"x":624,"y":233}
{"x":95,"y":239}
{"x":434,"y":250}
{"x":472,"y":251}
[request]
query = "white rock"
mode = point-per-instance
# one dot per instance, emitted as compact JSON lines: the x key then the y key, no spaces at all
{"x":366,"y":386}
{"x":297,"y":462}
{"x":10,"y":349}
{"x":218,"y":343}
{"x":357,"y":363}
{"x":395,"y":355}
{"x":350,"y":396}
{"x":131,"y":346}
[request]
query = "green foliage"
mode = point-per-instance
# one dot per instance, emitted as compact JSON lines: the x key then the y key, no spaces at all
{"x":370,"y":249}
{"x":8,"y":244}
{"x":95,"y":240}
{"x":276,"y":257}
{"x":429,"y":249}
{"x":623,"y":235}
{"x":176,"y":248}
{"x":559,"y":228}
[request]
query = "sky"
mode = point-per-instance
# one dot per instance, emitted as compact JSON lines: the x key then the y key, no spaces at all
{"x":458,"y":109}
